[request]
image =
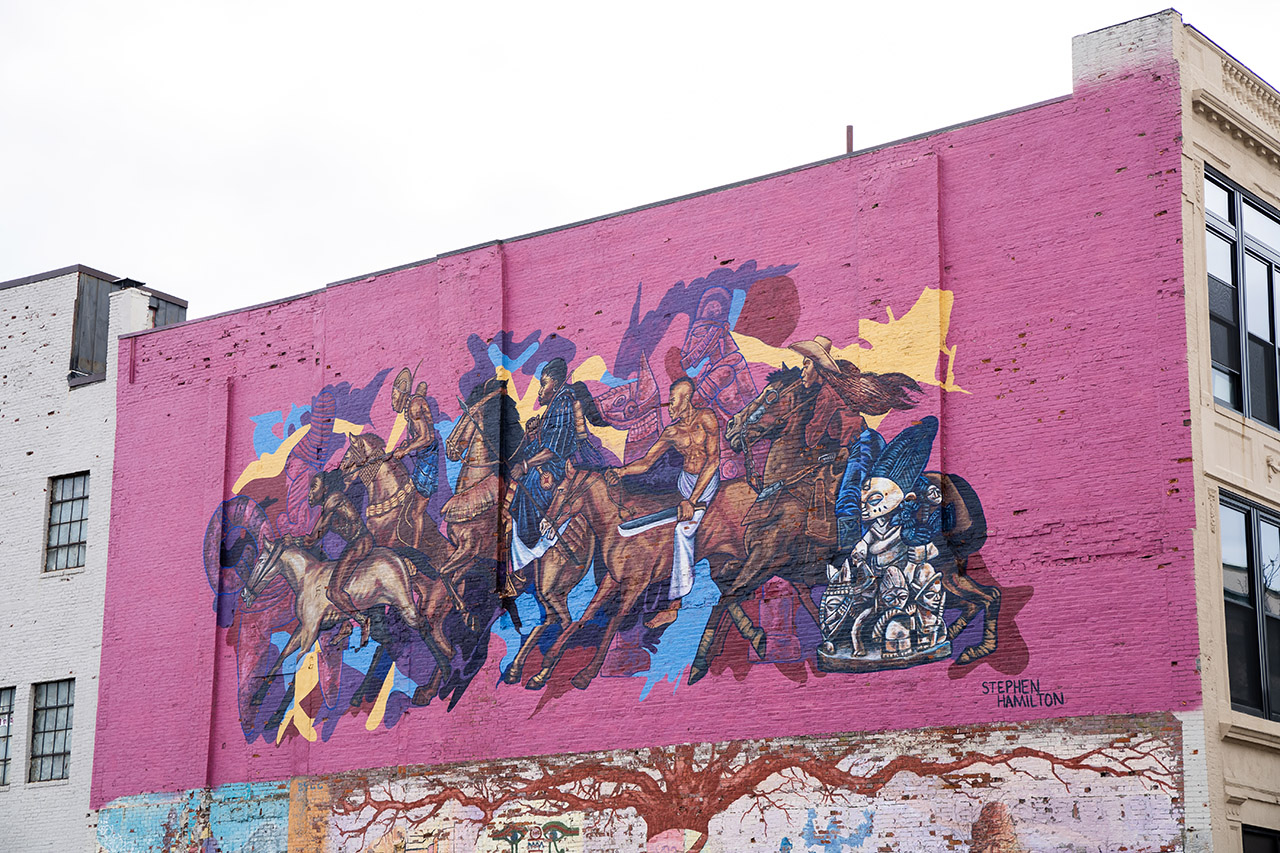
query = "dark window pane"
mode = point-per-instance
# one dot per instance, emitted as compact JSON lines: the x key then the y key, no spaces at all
{"x":1222,"y":300}
{"x":1260,"y":841}
{"x":1220,"y":257}
{"x":1261,"y":226}
{"x":1224,"y":344}
{"x":1257,"y":297}
{"x":1262,"y":382}
{"x":1217,"y":200}
{"x":1242,"y":657}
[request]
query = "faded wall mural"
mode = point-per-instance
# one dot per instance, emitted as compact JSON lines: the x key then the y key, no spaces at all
{"x":1096,"y":783}
{"x":545,"y":520}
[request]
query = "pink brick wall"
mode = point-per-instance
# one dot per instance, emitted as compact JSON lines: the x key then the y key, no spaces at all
{"x":1056,"y":233}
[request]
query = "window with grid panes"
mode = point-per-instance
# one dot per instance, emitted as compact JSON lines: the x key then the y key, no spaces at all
{"x":68,"y":522}
{"x":1242,"y":248}
{"x":6,"y":728}
{"x":52,"y":706}
{"x":1251,"y":588}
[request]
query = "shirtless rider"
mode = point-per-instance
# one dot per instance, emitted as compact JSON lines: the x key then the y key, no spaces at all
{"x":695,"y":434}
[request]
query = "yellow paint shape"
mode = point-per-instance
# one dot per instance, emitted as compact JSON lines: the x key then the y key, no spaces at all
{"x":306,"y":679}
{"x":380,"y":706}
{"x":908,"y":344}
{"x":270,"y":465}
{"x":397,"y":430}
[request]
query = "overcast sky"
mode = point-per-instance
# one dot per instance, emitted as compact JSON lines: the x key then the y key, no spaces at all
{"x":236,"y":151}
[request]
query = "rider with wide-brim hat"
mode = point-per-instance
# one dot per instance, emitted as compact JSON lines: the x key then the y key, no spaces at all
{"x":845,"y":395}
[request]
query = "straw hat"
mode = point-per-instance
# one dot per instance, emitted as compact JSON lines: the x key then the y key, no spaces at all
{"x":818,"y":351}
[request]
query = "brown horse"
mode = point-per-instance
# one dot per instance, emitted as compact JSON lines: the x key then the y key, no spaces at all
{"x":632,"y":564}
{"x":397,"y":518}
{"x":780,"y":413}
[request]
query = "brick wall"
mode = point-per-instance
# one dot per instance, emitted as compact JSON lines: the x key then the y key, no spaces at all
{"x":1024,"y":272}
{"x":51,"y":622}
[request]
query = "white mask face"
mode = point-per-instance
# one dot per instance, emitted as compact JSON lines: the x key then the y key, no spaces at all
{"x":880,"y":496}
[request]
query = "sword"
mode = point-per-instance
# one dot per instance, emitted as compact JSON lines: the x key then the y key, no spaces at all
{"x":639,"y":525}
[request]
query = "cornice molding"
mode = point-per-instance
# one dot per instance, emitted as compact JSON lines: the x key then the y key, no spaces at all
{"x":1253,"y":93}
{"x":1229,"y":120}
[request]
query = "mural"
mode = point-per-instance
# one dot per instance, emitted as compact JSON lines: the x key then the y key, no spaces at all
{"x":1096,"y":783}
{"x":543,"y":507}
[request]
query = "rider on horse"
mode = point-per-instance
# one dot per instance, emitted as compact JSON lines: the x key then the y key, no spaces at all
{"x":420,"y":435}
{"x":339,"y":515}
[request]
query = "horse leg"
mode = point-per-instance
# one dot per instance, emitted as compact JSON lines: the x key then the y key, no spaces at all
{"x":295,"y":642}
{"x":806,"y":601}
{"x":702,"y":660}
{"x":630,"y":596}
{"x":990,"y":617}
{"x":608,"y":587}
{"x":554,"y":588}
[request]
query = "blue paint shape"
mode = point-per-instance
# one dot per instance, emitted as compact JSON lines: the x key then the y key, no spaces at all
{"x":697,"y":368}
{"x":739,"y":299}
{"x":265,"y":439}
{"x":680,"y":641}
{"x":830,"y":839}
{"x":501,"y":359}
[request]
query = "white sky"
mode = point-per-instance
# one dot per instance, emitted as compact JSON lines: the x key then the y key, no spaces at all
{"x":236,"y":151}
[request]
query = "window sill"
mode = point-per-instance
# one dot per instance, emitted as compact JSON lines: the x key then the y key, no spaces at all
{"x":91,"y":379}
{"x":49,"y":783}
{"x":1251,"y":730}
{"x":1225,"y":411}
{"x":63,"y":573}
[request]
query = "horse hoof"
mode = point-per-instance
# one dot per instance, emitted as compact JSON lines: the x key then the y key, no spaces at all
{"x":423,"y":696}
{"x":538,"y":682}
{"x":581,"y":681}
{"x":695,"y":674}
{"x":511,"y":676}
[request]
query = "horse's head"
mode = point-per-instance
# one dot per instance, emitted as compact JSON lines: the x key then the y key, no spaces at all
{"x":357,"y":454}
{"x":264,"y":570}
{"x":763,"y":416}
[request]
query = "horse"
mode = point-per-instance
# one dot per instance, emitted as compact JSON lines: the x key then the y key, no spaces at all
{"x":380,"y":579}
{"x":632,"y":564}
{"x":487,"y":435}
{"x":780,"y":413}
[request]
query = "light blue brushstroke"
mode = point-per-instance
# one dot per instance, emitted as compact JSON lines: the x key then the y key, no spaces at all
{"x":531,"y":613}
{"x":615,"y":381}
{"x":452,"y":468}
{"x":265,"y":439}
{"x":500,"y":359}
{"x":680,"y":641}
{"x":830,"y":839}
{"x":735,"y":308}
{"x":697,"y":368}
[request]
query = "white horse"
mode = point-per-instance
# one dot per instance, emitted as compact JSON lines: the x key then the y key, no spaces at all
{"x":382,"y":578}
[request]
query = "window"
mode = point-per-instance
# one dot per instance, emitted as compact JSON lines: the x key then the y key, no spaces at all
{"x":1251,"y":587}
{"x":51,"y":730}
{"x":1242,"y":248}
{"x":68,"y":522}
{"x":1261,"y":840}
{"x":6,"y":726}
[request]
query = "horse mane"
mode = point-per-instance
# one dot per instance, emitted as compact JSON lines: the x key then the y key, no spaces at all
{"x":783,"y":374}
{"x":872,"y":393}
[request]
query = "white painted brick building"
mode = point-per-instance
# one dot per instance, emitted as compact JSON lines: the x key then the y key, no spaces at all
{"x":58,"y":336}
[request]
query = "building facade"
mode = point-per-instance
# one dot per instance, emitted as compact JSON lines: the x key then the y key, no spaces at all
{"x":919,"y":499}
{"x":57,"y":413}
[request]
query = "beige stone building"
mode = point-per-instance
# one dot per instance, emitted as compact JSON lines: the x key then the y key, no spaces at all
{"x":1231,"y":228}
